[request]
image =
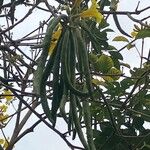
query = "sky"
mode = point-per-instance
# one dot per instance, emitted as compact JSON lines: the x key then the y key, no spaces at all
{"x":42,"y":138}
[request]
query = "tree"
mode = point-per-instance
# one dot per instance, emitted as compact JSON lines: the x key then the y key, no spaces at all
{"x":74,"y":73}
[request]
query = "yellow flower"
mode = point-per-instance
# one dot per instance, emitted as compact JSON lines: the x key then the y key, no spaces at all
{"x":55,"y":38}
{"x":4,"y":143}
{"x":3,"y":115}
{"x":3,"y":108}
{"x":3,"y":118}
{"x":7,"y":94}
{"x":1,"y":141}
{"x":92,"y":12}
{"x":134,"y":34}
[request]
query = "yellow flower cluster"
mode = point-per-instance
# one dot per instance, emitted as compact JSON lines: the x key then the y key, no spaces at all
{"x":8,"y":95}
{"x":91,"y":12}
{"x":3,"y":115}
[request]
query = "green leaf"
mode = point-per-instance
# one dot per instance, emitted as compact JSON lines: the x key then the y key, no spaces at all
{"x":121,"y":146}
{"x":108,"y":78}
{"x":147,"y":100}
{"x":103,"y":24}
{"x":137,"y":73}
{"x":116,"y":55}
{"x":125,"y":65}
{"x":96,"y":133}
{"x":144,"y":33}
{"x":106,"y":128}
{"x":138,"y":122}
{"x":139,"y":98}
{"x":120,"y":39}
{"x":105,"y":3}
{"x":105,"y":63}
{"x":110,"y":47}
{"x":98,"y":111}
{"x":129,"y":46}
{"x":97,"y":82}
{"x":126,"y":83}
{"x":146,"y":146}
{"x":114,"y":72}
{"x":93,"y":58}
{"x":108,"y":30}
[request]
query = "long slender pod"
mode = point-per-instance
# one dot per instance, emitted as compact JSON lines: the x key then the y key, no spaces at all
{"x":71,"y":65}
{"x":66,"y":67}
{"x":93,"y":40}
{"x":77,"y":122}
{"x":65,"y":70}
{"x":86,"y":108}
{"x":87,"y":120}
{"x":72,"y":88}
{"x":57,"y":82}
{"x":42,"y":60}
{"x":43,"y":96}
{"x":46,"y":72}
{"x":84,"y":53}
{"x":63,"y":104}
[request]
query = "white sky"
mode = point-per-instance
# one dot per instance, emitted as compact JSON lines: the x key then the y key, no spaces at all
{"x":43,"y":138}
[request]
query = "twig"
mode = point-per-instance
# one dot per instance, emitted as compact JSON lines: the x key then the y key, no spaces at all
{"x":20,"y":125}
{"x":51,"y":9}
{"x":28,"y":4}
{"x":40,"y":117}
{"x":138,"y":21}
{"x":126,"y":45}
{"x":21,"y":20}
{"x":137,"y":12}
{"x":145,"y":18}
{"x":41,"y":25}
{"x":24,"y":93}
{"x":31,"y":129}
{"x":6,"y":48}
